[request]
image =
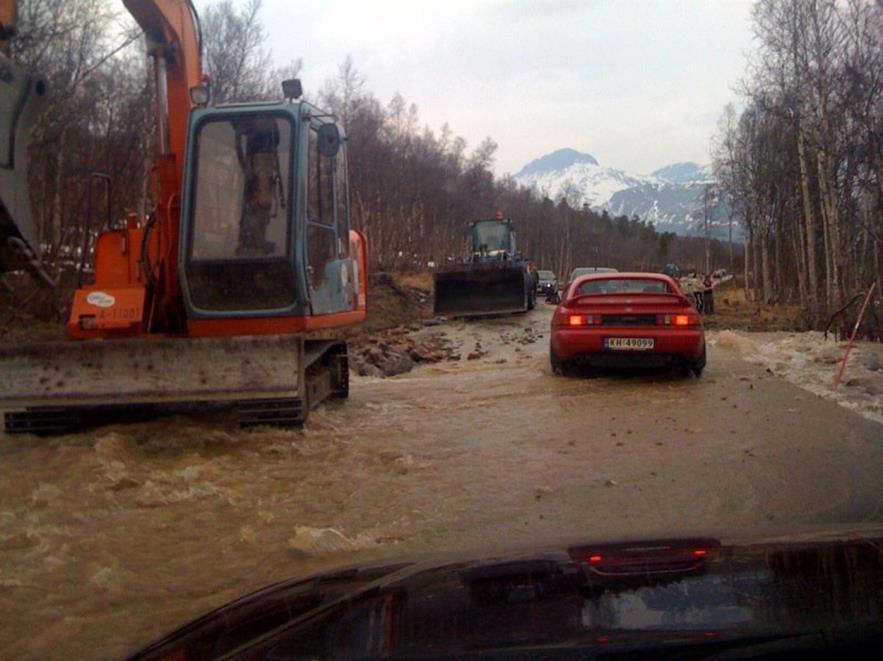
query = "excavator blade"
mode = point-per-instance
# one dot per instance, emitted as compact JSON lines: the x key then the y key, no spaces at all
{"x":480,"y":289}
{"x":61,"y":386}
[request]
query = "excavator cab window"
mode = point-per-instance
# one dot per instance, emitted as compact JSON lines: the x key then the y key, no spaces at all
{"x":239,"y":255}
{"x":321,"y":232}
{"x":343,"y":206}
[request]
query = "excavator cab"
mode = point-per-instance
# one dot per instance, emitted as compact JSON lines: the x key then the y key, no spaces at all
{"x":265,"y":223}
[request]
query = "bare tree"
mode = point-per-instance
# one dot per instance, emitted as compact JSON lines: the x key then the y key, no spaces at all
{"x":802,"y":164}
{"x":236,"y":57}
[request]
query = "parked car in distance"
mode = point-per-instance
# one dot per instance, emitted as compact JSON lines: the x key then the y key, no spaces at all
{"x":610,"y":320}
{"x":548,"y":283}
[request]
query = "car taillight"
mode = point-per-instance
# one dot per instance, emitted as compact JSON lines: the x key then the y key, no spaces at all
{"x":689,"y":319}
{"x":584,"y":319}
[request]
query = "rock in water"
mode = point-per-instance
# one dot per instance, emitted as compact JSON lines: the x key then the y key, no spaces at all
{"x":367,"y":369}
{"x":399,"y":363}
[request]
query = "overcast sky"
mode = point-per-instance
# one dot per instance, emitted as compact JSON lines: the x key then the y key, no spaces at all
{"x":637,"y":83}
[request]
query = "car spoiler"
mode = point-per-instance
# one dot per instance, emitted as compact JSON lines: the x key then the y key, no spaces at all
{"x":576,"y":299}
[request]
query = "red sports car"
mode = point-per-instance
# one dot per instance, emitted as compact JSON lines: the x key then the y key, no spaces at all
{"x":626,"y":320}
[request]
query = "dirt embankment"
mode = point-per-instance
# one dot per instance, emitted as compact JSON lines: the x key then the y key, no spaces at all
{"x":398,"y":305}
{"x":733,"y":311}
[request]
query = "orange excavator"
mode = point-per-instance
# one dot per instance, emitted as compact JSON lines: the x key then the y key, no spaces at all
{"x":230,"y":294}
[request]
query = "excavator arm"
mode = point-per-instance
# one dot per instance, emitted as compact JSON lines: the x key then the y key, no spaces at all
{"x":173,"y":41}
{"x":8,"y":12}
{"x":21,"y":94}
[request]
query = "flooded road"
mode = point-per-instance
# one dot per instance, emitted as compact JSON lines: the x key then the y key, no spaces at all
{"x":112,"y":537}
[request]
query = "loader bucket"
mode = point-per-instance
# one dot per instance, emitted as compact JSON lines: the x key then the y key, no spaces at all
{"x":479,"y":290}
{"x":61,"y":386}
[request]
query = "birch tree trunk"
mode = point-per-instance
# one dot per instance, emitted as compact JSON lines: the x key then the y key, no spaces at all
{"x":809,"y":223}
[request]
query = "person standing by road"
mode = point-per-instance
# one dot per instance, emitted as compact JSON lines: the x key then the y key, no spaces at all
{"x":708,"y":294}
{"x":692,"y":288}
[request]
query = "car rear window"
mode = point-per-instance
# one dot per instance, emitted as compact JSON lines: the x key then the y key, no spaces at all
{"x":624,"y":286}
{"x":589,"y":270}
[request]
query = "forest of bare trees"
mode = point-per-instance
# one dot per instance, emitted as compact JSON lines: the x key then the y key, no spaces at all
{"x":802,"y":162}
{"x":413,"y":189}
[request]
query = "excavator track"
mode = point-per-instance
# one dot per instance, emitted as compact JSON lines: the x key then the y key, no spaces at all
{"x":60,"y":387}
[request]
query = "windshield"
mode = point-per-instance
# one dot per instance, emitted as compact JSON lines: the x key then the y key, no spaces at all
{"x":491,"y":237}
{"x":242,"y":184}
{"x":240,"y":229}
{"x":624,"y":286}
{"x":546,"y":275}
{"x":588,"y":270}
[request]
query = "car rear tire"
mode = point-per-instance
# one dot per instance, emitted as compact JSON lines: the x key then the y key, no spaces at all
{"x":560,"y":367}
{"x":696,"y":368}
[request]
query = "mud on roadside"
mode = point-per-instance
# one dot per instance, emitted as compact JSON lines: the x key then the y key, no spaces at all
{"x":398,"y":305}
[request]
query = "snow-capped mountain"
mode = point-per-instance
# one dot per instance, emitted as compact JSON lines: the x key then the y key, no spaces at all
{"x":684,"y":173}
{"x":576,"y":176}
{"x":672,"y":198}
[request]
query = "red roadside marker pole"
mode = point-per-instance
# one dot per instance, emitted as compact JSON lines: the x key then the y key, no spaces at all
{"x":839,"y":377}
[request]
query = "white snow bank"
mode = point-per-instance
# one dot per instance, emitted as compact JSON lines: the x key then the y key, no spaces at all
{"x":809,"y":361}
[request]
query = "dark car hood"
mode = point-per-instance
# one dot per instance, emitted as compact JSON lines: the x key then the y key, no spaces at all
{"x":624,"y":596}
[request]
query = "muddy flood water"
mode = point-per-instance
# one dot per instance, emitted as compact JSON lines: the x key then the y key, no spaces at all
{"x":112,"y":537}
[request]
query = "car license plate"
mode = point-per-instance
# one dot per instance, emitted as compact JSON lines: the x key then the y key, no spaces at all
{"x":629,"y":343}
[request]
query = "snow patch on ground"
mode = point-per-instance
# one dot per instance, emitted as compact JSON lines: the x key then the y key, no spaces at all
{"x":809,"y":361}
{"x":308,"y":541}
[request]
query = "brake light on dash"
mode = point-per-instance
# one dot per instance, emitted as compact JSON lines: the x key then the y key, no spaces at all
{"x":595,"y":559}
{"x":700,"y":553}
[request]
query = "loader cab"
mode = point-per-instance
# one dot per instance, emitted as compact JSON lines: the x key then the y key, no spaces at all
{"x":493,"y":238}
{"x":264,"y":216}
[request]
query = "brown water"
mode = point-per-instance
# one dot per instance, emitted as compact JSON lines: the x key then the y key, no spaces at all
{"x":111,"y":537}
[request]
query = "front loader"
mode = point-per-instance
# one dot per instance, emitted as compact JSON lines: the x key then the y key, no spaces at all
{"x":230,"y":294}
{"x":493,"y":279}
